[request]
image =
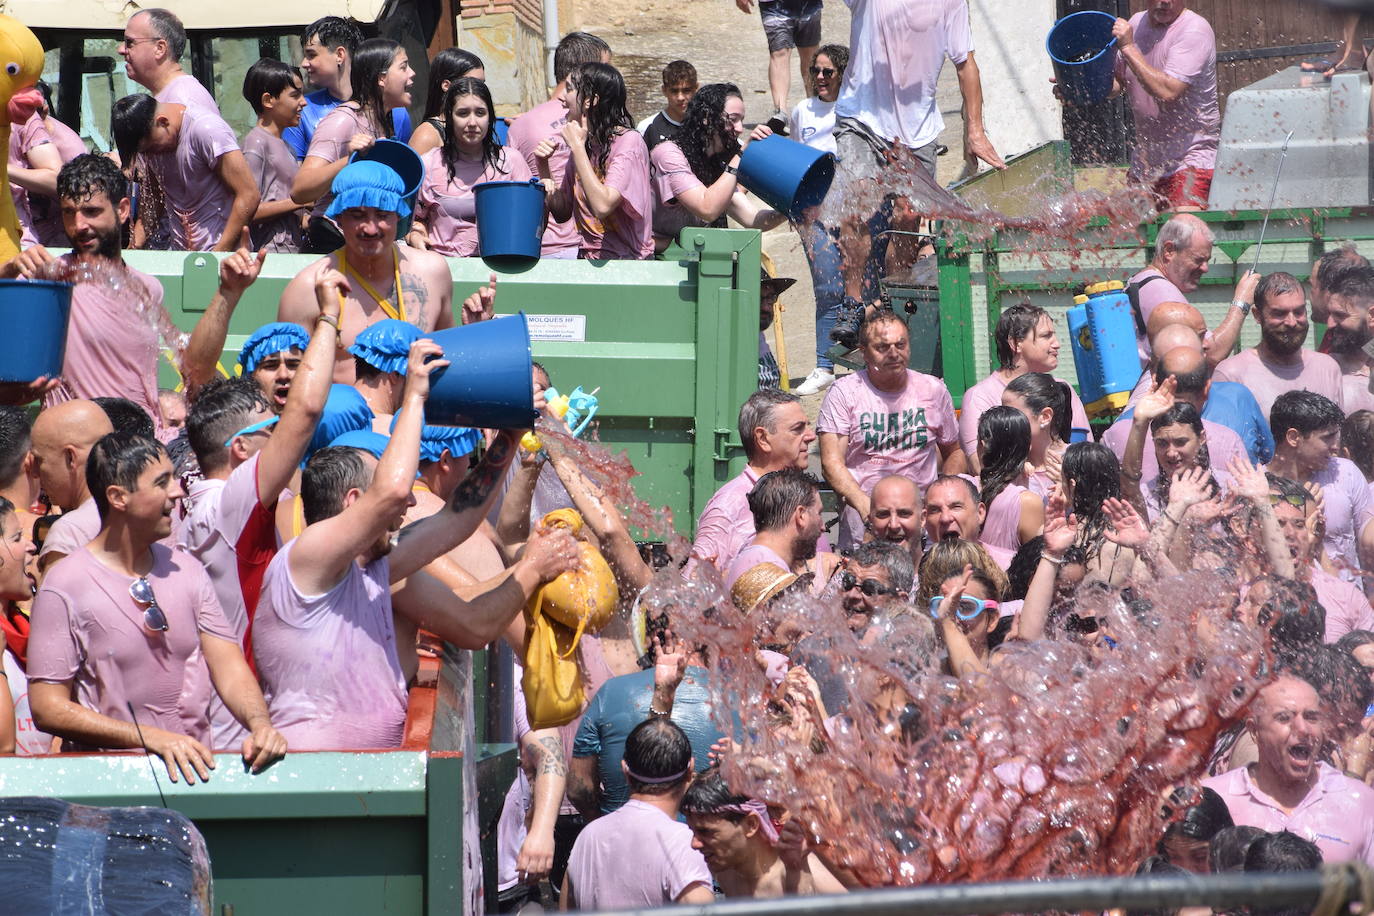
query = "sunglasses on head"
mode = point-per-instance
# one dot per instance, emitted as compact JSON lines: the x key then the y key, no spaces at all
{"x":968,"y":607}
{"x":823,"y":71}
{"x":870,"y":587}
{"x":141,"y":590}
{"x":1295,"y":500}
{"x":252,"y":428}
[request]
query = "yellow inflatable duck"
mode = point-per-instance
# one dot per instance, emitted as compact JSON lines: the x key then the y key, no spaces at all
{"x":21,"y":64}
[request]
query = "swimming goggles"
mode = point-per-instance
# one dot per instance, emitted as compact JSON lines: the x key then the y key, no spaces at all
{"x":968,"y":607}
{"x":250,"y":429}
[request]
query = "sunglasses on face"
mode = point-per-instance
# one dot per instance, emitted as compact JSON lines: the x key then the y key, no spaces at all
{"x":41,"y":526}
{"x":870,"y":587}
{"x":968,"y":607}
{"x":826,"y":72}
{"x":153,"y":618}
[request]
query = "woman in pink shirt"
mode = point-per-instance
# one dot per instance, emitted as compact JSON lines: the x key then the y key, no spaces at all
{"x":446,"y":210}
{"x":694,"y":178}
{"x":605,"y":187}
{"x":1014,"y":513}
{"x":1180,"y":445}
{"x":448,"y":66}
{"x":1046,"y":403}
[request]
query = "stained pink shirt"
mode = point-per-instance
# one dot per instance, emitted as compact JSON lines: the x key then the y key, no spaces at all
{"x":449,"y":208}
{"x":1337,"y":815}
{"x":189,"y":91}
{"x":726,"y":524}
{"x":626,"y":234}
{"x":748,"y":558}
{"x":671,"y":175}
{"x":47,"y":214}
{"x":23,"y":138}
{"x":1266,"y":381}
{"x":988,"y":394}
{"x":274,"y":169}
{"x":88,"y":630}
{"x":636,"y":856}
{"x":1345,"y":604}
{"x":1222,"y":445}
{"x":328,"y":663}
{"x":1347,"y":506}
{"x":330,"y":141}
{"x":112,"y":342}
{"x":72,"y":530}
{"x":1000,"y":535}
{"x":1161,"y":289}
{"x":198,"y":203}
{"x":1355,"y":392}
{"x":540,"y":123}
{"x":1171,"y":136}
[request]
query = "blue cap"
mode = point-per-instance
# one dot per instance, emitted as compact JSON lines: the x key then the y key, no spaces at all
{"x":386,"y":345}
{"x":458,"y":440}
{"x":276,"y":337}
{"x":367,"y":183}
{"x":344,"y":411}
{"x":364,"y":440}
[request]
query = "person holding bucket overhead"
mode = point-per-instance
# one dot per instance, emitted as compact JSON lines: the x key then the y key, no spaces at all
{"x":470,"y":154}
{"x":605,"y":187}
{"x":695,"y":174}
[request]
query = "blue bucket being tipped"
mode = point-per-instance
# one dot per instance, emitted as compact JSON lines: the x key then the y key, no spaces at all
{"x":488,"y":381}
{"x":406,"y":163}
{"x":510,"y":219}
{"x":788,"y":176}
{"x":41,"y":308}
{"x":1083,"y":52}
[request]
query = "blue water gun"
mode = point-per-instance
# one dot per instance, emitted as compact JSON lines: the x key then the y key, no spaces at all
{"x":576,"y":409}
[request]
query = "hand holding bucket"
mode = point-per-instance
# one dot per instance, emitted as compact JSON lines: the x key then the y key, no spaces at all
{"x":1083,"y":50}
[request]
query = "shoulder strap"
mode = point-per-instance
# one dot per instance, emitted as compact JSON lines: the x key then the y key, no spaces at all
{"x":1133,"y":294}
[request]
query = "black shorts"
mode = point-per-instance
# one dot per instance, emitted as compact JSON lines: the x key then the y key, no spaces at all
{"x":791,"y":24}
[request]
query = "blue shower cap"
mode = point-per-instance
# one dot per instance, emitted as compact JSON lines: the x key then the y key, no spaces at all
{"x":366,"y":183}
{"x":385,"y":345}
{"x":276,"y":337}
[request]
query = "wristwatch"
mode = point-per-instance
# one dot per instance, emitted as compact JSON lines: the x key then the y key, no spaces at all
{"x":1242,"y":305}
{"x":732,"y":170}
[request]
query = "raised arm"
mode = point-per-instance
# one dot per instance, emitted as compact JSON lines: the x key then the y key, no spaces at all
{"x":1252,"y":486}
{"x":236,"y":273}
{"x":962,"y":659}
{"x":558,"y":202}
{"x":232,"y":170}
{"x":601,"y":515}
{"x":1035,"y":610}
{"x":1159,"y":399}
{"x":602,"y":199}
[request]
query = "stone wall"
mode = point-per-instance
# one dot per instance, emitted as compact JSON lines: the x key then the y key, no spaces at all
{"x":509,"y":37}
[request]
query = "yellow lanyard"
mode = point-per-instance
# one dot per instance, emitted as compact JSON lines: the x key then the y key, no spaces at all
{"x":385,"y":303}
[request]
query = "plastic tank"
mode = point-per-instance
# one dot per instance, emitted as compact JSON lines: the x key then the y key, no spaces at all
{"x":1111,"y":329}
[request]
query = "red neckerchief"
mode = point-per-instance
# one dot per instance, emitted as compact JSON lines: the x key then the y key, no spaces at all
{"x":16,"y":627}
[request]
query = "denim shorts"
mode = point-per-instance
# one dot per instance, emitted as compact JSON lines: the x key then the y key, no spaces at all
{"x":791,"y":24}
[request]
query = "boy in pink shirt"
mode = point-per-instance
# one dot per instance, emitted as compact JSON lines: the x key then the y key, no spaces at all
{"x":128,"y":634}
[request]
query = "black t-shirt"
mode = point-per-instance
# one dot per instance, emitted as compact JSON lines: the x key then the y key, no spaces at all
{"x":660,"y":129}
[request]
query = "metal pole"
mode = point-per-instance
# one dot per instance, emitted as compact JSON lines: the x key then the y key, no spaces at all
{"x":1273,"y":191}
{"x":1151,"y":892}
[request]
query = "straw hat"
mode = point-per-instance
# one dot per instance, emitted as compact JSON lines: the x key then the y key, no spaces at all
{"x":759,"y":584}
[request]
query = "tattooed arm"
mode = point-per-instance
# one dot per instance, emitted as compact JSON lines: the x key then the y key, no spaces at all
{"x":584,"y":787}
{"x":542,"y":753}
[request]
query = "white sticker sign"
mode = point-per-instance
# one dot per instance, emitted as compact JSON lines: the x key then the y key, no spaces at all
{"x":557,"y":327}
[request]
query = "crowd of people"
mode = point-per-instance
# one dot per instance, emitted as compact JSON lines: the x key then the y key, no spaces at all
{"x":254,"y":564}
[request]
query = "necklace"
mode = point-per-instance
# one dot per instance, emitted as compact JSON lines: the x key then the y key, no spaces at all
{"x":384,"y":302}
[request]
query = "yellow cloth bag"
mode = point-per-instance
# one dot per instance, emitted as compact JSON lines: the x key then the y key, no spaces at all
{"x":583,"y":599}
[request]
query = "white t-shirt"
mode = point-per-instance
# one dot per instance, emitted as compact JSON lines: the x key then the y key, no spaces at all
{"x":896,"y":50}
{"x":813,"y":123}
{"x":28,"y":740}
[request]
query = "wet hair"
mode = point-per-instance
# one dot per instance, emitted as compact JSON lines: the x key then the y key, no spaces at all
{"x":1342,"y":683}
{"x":1017,"y":322}
{"x":577,"y":48}
{"x":657,"y":748}
{"x":1027,"y":559}
{"x":374,"y":57}
{"x":1353,"y":640}
{"x":880,"y":317}
{"x":1296,"y":620}
{"x":839,"y":56}
{"x":974,"y":493}
{"x":15,"y":439}
{"x":1181,"y":414}
{"x":131,"y":121}
{"x":1004,"y":438}
{"x":1040,"y":390}
{"x":759,"y":410}
{"x":449,"y":64}
{"x":334,"y":32}
{"x":1179,"y":233}
{"x":704,"y":126}
{"x":948,"y":558}
{"x":1335,"y":259}
{"x":1305,"y":411}
{"x":1226,"y":851}
{"x":1201,"y":820}
{"x":678,"y":72}
{"x":1096,"y":475}
{"x":328,"y":476}
{"x":1282,"y":851}
{"x":1357,"y":435}
{"x":268,"y":77}
{"x":1286,"y":488}
{"x":603,"y":87}
{"x":893,"y":558}
{"x":221,"y":410}
{"x":89,"y":174}
{"x":1275,"y":284}
{"x":168,"y":27}
{"x":778,"y":494}
{"x":1353,"y":280}
{"x":709,"y":794}
{"x":491,"y":147}
{"x":1157,"y":865}
{"x":116,"y":460}
{"x":536,"y":364}
{"x":126,"y":416}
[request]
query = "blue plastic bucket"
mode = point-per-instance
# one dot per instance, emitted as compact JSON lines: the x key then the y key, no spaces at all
{"x":404,"y":161}
{"x":41,"y":308}
{"x":788,"y":176}
{"x":1083,"y":52}
{"x":510,"y":219}
{"x":488,"y":380}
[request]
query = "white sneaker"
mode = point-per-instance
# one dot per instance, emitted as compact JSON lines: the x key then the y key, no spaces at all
{"x":819,"y":380}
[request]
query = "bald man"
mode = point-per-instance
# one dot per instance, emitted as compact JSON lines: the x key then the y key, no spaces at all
{"x":894,"y":514}
{"x":62,"y":438}
{"x":1194,"y":375}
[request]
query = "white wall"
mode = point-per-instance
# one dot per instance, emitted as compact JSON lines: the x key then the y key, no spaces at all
{"x":1019,"y":110}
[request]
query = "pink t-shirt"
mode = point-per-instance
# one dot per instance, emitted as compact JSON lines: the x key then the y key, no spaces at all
{"x":751,"y":556}
{"x":189,"y":91}
{"x":1183,"y":133}
{"x":671,"y":175}
{"x":1346,"y":606}
{"x":47,"y":214}
{"x":112,"y":342}
{"x":889,"y":433}
{"x":1160,"y":289}
{"x":1001,"y":534}
{"x":988,"y":394}
{"x":1266,"y":381}
{"x":328,"y":663}
{"x":1222,"y":445}
{"x":1345,"y":496}
{"x":330,"y":141}
{"x":72,"y":530}
{"x":726,"y":524}
{"x":1355,"y":393}
{"x":88,"y":630}
{"x":540,"y":123}
{"x":627,"y":234}
{"x":274,"y":168}
{"x":449,"y":208}
{"x":198,"y":203}
{"x":636,"y":856}
{"x":1337,"y":815}
{"x":23,"y":138}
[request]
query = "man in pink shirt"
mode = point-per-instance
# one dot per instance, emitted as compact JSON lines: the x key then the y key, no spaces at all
{"x":1288,"y":787}
{"x":776,"y":434}
{"x":324,"y":636}
{"x":786,"y":506}
{"x":154,"y":40}
{"x":885,"y":419}
{"x":546,"y":120}
{"x":62,"y":439}
{"x":128,"y":641}
{"x":1350,"y":299}
{"x":1167,"y":65}
{"x":1280,"y":362}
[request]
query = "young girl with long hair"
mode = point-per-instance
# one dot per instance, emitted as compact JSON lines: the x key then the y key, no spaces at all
{"x":1014,"y":513}
{"x":447,"y":66}
{"x":1046,"y":403}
